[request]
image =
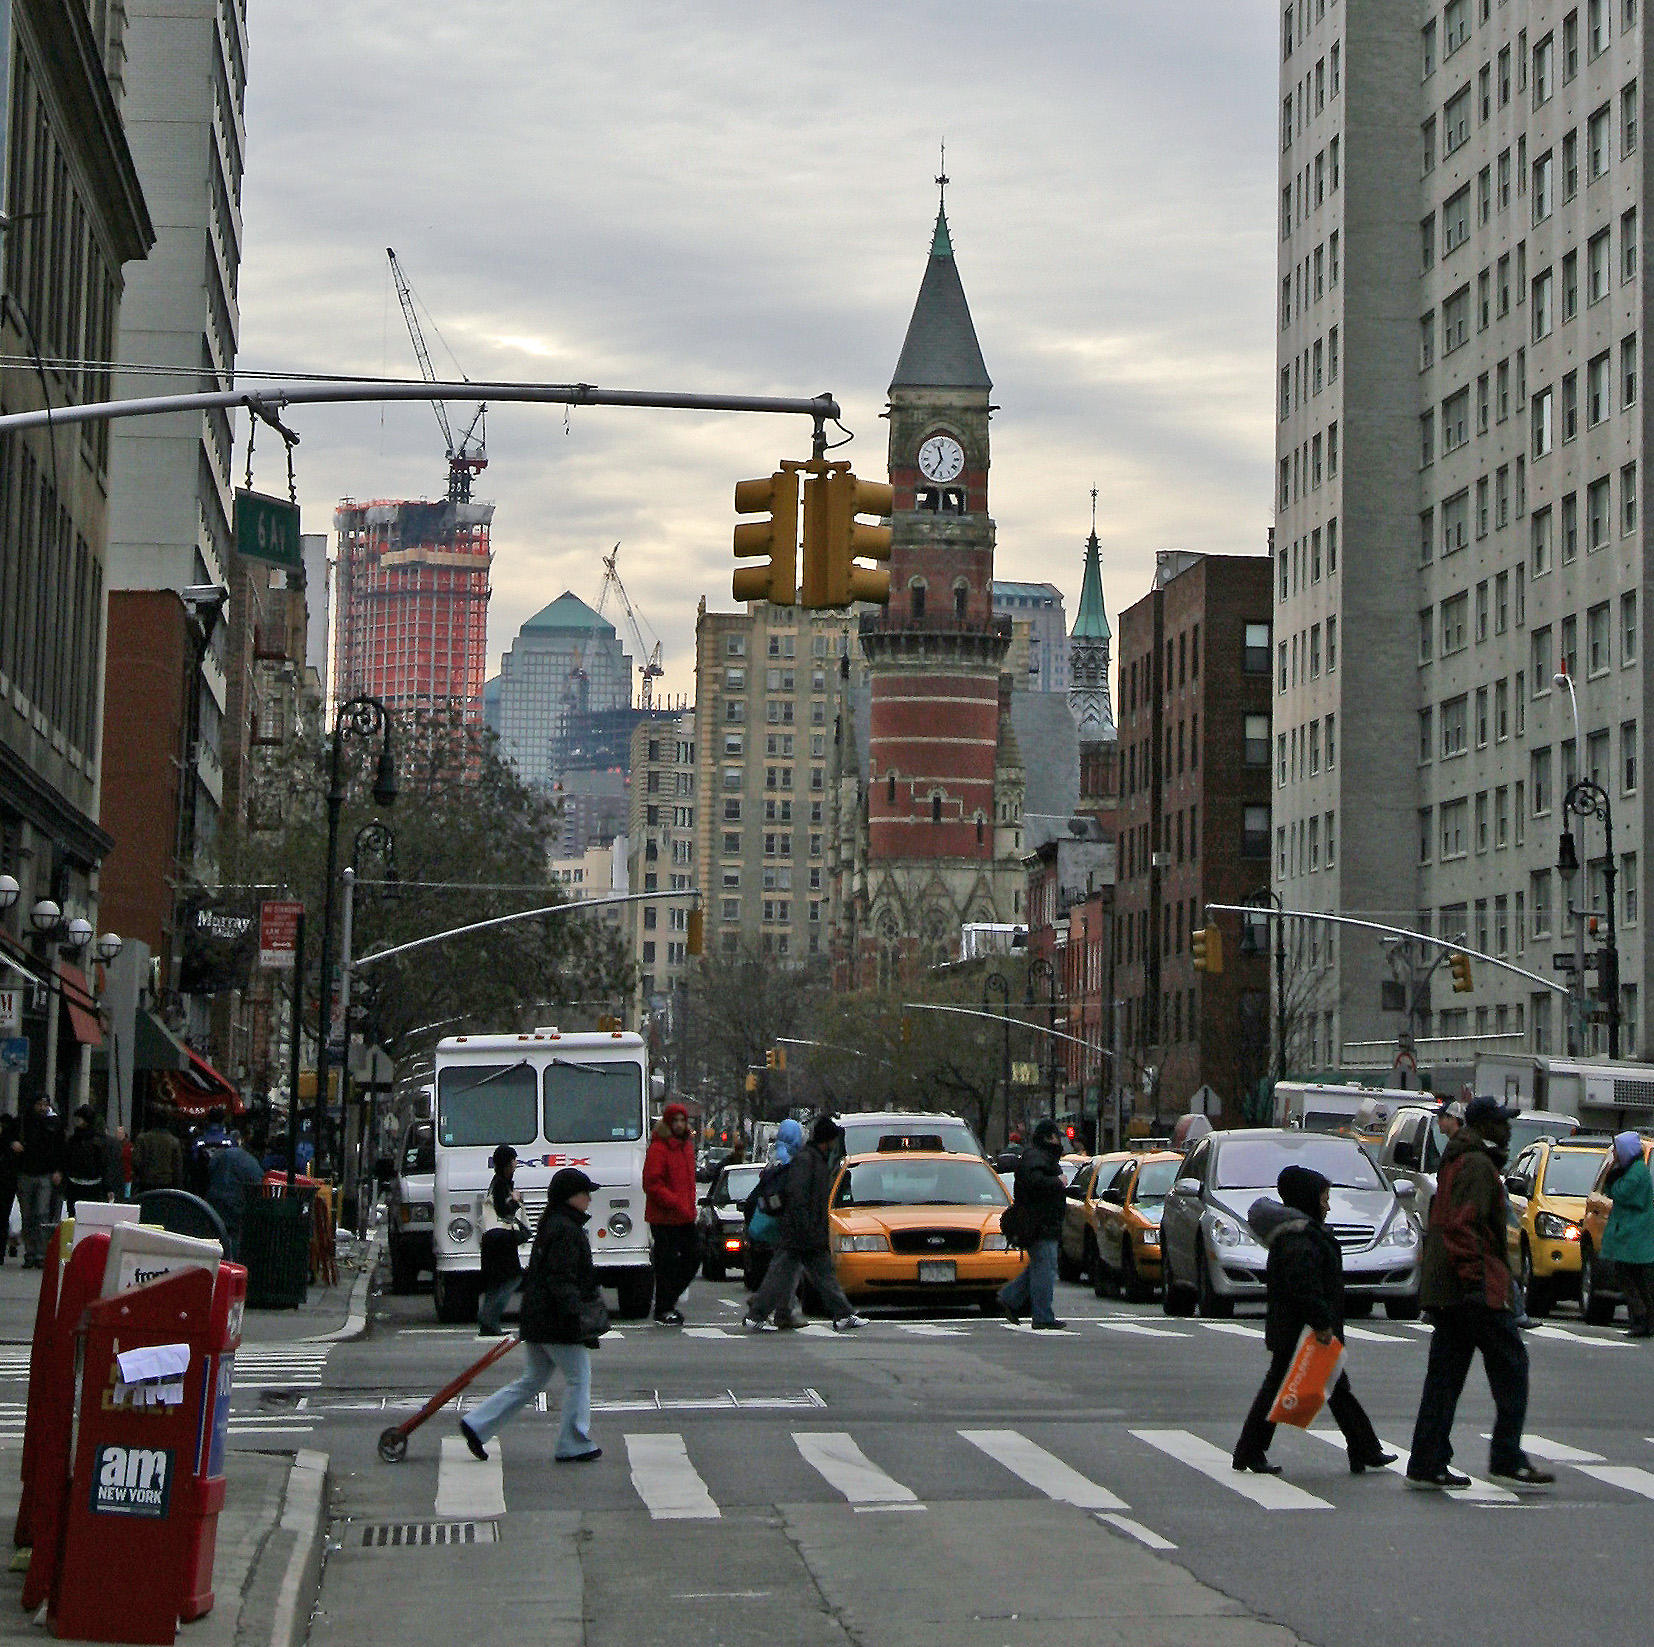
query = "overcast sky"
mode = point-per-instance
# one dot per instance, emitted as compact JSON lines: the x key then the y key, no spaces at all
{"x":738,"y":198}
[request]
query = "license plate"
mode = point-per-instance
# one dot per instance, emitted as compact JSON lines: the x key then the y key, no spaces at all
{"x":938,"y":1269}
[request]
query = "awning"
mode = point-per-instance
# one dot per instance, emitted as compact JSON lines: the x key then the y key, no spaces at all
{"x":84,"y":1021}
{"x":200,"y":1088}
{"x":155,"y":1046}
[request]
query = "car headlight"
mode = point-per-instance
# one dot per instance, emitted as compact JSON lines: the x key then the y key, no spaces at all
{"x":459,"y":1231}
{"x":1149,"y":1237}
{"x":863,"y":1243}
{"x":1400,"y":1233}
{"x":1555,"y":1228}
{"x":620,"y":1223}
{"x":1227,"y":1233}
{"x":993,"y":1241}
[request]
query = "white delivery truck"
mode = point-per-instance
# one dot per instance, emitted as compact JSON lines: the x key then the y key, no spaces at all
{"x":1315,"y":1106}
{"x":576,"y":1100}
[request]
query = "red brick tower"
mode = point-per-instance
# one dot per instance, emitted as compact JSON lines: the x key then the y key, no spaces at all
{"x":944,"y":781}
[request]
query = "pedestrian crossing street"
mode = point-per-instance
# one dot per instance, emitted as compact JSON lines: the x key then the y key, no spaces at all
{"x":679,"y":1476}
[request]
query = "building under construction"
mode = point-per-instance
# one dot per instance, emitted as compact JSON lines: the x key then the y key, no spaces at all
{"x":410,"y":597}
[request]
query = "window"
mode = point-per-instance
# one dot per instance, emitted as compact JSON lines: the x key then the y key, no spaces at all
{"x":1542,"y":201}
{"x":1543,"y":315}
{"x":1539,"y":780}
{"x":1501,"y":603}
{"x":1481,"y":613}
{"x":1427,"y":633}
{"x":1454,"y":716}
{"x":1596,"y":268}
{"x":1481,"y":507}
{"x":1501,"y":819}
{"x":1596,"y":515}
{"x":1454,"y":615}
{"x":1456,"y":121}
{"x":1544,"y":68}
{"x":1456,"y":221}
{"x":1257,"y":740}
{"x":1455,"y":26}
{"x":1570,"y":165}
{"x":1427,"y":340}
{"x":1570,"y":406}
{"x":1539,"y":540}
{"x":1455,"y":523}
{"x":1628,"y":371}
{"x":1427,"y":440}
{"x":1598,"y":641}
{"x":1426,"y":817}
{"x":1598,"y":391}
{"x":1596,"y":144}
{"x":1504,"y":76}
{"x":1501,"y":496}
{"x":1570,"y":530}
{"x":1628,"y":889}
{"x":1427,"y":743}
{"x":1456,"y":320}
{"x":1256,"y":655}
{"x":1570,"y":644}
{"x":1628,"y":757}
{"x":1628,"y":499}
{"x":1542,"y":430}
{"x":1628,"y":119}
{"x":1628,"y":245}
{"x":1628,"y":627}
{"x":1540,"y":660}
{"x":1453,"y":832}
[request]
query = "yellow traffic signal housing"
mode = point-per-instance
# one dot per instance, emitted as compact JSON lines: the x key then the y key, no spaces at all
{"x":752,"y":1082}
{"x":834,"y":539}
{"x":775,"y":538}
{"x":695,"y":943}
{"x":769,"y":1058}
{"x":1206,"y":945}
{"x":780,"y":1057}
{"x":1463,"y":983}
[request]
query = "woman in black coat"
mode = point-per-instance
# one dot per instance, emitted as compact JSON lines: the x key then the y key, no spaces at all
{"x":1305,"y":1282}
{"x":563,"y":1316}
{"x":503,"y":1232}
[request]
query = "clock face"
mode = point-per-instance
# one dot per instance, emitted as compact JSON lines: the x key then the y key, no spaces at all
{"x":941,"y":458}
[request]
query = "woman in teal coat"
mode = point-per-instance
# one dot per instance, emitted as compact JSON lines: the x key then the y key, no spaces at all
{"x":1628,"y":1240}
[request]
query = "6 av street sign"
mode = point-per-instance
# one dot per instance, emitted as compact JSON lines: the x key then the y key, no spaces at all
{"x":267,"y":529}
{"x":1564,"y":960}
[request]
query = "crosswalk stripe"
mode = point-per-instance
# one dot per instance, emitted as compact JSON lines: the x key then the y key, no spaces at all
{"x":1367,"y":1336}
{"x":1626,"y":1476}
{"x":1136,"y":1529}
{"x":1042,"y":1470}
{"x":846,"y":1467}
{"x":1553,"y":1452}
{"x":1543,"y":1331}
{"x":666,"y":1481}
{"x":1138,"y":1329}
{"x":1478,"y":1492}
{"x":1269,"y":1492}
{"x":1236,"y":1329}
{"x":467,"y":1488}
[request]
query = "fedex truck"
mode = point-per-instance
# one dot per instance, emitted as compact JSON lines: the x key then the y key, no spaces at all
{"x":575,"y":1100}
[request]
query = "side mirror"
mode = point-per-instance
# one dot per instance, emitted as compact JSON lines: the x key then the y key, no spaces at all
{"x":1115,"y":1194}
{"x":1406,"y":1190}
{"x":1186,"y":1186}
{"x":1516,"y":1184}
{"x":1075,"y":1193}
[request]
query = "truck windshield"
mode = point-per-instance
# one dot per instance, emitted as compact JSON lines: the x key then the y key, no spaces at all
{"x":486,"y":1104}
{"x":593,"y":1103}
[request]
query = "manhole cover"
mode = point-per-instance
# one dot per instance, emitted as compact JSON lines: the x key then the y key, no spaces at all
{"x":385,"y":1535}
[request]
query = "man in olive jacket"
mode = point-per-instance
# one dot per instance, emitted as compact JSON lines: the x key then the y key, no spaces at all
{"x":1467,"y":1294}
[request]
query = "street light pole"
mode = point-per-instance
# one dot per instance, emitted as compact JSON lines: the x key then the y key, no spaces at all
{"x":995,"y":983}
{"x":1041,"y":965}
{"x":1588,"y":799}
{"x":371,"y":837}
{"x":1266,"y":898}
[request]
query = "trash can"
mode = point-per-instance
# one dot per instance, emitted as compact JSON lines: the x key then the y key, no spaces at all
{"x":275,"y":1245}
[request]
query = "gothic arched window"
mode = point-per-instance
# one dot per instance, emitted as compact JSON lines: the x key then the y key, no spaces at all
{"x":916,"y":591}
{"x":936,"y":809}
{"x":961,"y":598}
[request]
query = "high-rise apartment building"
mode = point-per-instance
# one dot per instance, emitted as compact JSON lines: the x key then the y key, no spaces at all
{"x":1460,"y":446}
{"x":769,"y":685}
{"x":410,"y":604}
{"x":661,"y":841}
{"x":1040,"y":607}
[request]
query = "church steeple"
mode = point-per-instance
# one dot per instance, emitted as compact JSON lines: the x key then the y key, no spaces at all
{"x":1088,"y":650}
{"x":941,"y":351}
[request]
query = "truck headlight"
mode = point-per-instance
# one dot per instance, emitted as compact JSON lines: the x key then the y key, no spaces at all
{"x":620,"y":1223}
{"x":863,"y":1243}
{"x":459,"y":1231}
{"x":994,"y":1241}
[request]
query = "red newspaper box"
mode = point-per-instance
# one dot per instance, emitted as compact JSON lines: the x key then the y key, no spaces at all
{"x":139,"y":1524}
{"x":45,"y":1320}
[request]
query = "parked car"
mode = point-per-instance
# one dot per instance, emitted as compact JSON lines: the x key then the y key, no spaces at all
{"x":1210,"y":1259}
{"x":410,"y":1205}
{"x":719,"y":1221}
{"x":1599,"y":1296}
{"x":1077,"y":1247}
{"x":1127,"y":1255}
{"x":1547,"y":1185}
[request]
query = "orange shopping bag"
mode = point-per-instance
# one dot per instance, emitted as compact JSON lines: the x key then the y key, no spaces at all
{"x":1303,"y":1392}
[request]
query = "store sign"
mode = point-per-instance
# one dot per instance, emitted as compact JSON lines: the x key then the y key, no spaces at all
{"x":11,"y":1008}
{"x":132,"y":1481}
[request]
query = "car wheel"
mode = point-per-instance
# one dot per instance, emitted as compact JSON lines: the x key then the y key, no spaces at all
{"x":1212,"y":1305}
{"x":1174,"y":1299}
{"x":1402,"y":1309}
{"x":1102,"y":1280}
{"x":1539,"y":1290}
{"x":1596,"y":1309}
{"x":1358,"y":1309}
{"x":1132,"y":1286}
{"x":1068,"y":1269}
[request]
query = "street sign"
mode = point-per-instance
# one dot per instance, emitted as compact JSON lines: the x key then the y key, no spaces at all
{"x":267,"y":529}
{"x":278,"y":932}
{"x":1564,"y":960}
{"x":1024,"y":1074}
{"x":11,"y":1008}
{"x":1205,"y":1102}
{"x":14,"y":1053}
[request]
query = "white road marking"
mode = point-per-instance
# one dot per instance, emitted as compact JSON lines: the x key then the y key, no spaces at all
{"x":1139,"y":1329}
{"x":1625,"y":1476}
{"x":1269,"y":1492}
{"x":1553,"y":1452}
{"x":1567,"y":1337}
{"x":1042,"y":1470}
{"x":931,"y":1329}
{"x":666,"y":1481}
{"x":467,"y":1488}
{"x":1367,"y":1336}
{"x":848,"y":1469}
{"x":1478,"y":1492}
{"x":1136,"y":1529}
{"x":709,"y":1332}
{"x":1236,"y":1329}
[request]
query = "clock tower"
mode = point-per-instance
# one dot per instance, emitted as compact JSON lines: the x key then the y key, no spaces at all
{"x":943,"y":803}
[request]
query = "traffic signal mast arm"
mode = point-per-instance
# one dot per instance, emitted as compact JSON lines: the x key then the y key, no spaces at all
{"x":1390,"y":932}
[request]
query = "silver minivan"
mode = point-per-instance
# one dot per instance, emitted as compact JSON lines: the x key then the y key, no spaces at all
{"x":1211,"y":1259}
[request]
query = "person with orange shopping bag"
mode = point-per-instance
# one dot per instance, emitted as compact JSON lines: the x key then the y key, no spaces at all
{"x":1305,"y":1282}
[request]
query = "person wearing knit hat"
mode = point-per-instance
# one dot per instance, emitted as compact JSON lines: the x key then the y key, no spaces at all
{"x":1038,"y":1197}
{"x":1305,"y":1289}
{"x":669,"y":1211}
{"x":1628,"y":1239}
{"x":562,"y":1318}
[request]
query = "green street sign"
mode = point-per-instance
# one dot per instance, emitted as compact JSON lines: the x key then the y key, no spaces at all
{"x":268,"y":529}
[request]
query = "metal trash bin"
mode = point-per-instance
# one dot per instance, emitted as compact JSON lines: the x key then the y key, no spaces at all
{"x":275,"y":1245}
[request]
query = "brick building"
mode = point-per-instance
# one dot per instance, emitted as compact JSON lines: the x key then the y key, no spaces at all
{"x":1194,"y":827}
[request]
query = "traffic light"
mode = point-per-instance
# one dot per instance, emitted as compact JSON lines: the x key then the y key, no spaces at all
{"x":769,"y":1058}
{"x":695,"y":943}
{"x":1206,"y":945}
{"x":1463,"y":983}
{"x":780,"y":1057}
{"x":775,"y":538}
{"x":834,"y":539}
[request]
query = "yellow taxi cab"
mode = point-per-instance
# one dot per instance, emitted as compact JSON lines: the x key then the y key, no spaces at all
{"x":920,"y":1222}
{"x":1128,"y":1226}
{"x":1599,"y":1297}
{"x":1077,"y":1247}
{"x":1547,"y":1185}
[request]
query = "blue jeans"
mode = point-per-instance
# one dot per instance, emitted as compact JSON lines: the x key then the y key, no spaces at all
{"x":575,"y":1363}
{"x":494,"y":1301}
{"x":1035,"y":1289}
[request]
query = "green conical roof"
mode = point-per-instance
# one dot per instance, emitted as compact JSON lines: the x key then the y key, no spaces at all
{"x":1091,"y":621}
{"x":941,"y":351}
{"x":568,"y":612}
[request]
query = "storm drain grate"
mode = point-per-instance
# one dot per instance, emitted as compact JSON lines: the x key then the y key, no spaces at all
{"x":385,"y":1535}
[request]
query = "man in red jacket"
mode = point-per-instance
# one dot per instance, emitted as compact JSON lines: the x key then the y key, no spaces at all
{"x":669,"y":1210}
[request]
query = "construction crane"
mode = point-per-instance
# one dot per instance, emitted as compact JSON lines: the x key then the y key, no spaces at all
{"x":652,"y":668}
{"x":470,"y":456}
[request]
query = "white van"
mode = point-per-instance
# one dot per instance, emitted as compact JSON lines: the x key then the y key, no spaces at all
{"x":1315,"y":1107}
{"x":577,"y":1100}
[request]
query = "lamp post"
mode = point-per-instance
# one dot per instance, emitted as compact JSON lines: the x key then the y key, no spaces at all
{"x":995,"y":983}
{"x":1041,"y":965}
{"x":1265,"y":898}
{"x":371,"y":837}
{"x":1588,"y":799}
{"x":361,"y":717}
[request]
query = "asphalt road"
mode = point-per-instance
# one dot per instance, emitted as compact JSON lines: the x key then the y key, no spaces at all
{"x":942,"y":1475}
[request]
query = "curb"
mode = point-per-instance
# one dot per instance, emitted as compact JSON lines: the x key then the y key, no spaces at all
{"x":356,"y":1321}
{"x":304,"y":1515}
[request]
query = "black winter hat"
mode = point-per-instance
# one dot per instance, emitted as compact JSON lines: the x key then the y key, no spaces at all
{"x":1047,"y":1131}
{"x":826,"y":1130}
{"x":1301,"y":1189}
{"x":567,"y":1181}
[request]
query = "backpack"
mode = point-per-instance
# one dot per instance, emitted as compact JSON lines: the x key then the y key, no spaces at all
{"x":765,"y":1196}
{"x":1017,"y":1225}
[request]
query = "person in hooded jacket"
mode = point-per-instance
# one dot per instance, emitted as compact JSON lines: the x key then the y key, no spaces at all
{"x":1305,"y":1288}
{"x":1628,"y":1239}
{"x":763,"y":1227}
{"x":1040,"y":1195}
{"x":1466,"y":1292}
{"x":561,"y":1277}
{"x":669,"y":1211}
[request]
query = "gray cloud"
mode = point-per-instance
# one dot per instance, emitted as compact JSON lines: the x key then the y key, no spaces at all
{"x":737,"y":197}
